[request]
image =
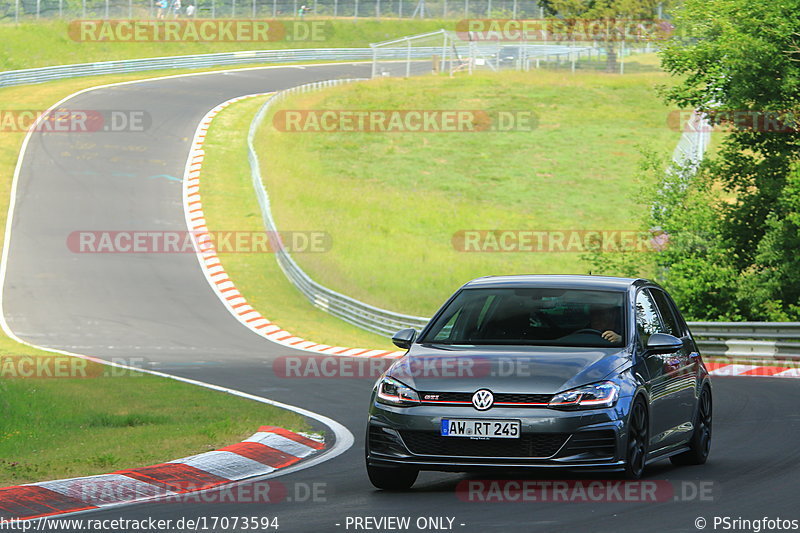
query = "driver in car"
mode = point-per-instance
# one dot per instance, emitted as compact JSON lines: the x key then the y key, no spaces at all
{"x":603,"y":319}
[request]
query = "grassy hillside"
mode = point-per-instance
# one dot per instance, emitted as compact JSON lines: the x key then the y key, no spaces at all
{"x":393,"y":202}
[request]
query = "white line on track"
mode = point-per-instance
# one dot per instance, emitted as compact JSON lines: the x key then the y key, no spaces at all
{"x":343,"y":437}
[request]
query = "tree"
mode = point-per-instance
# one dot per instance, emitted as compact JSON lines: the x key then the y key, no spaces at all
{"x":737,"y":59}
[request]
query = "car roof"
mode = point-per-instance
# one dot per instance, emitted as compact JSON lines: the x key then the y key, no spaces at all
{"x":554,"y":281}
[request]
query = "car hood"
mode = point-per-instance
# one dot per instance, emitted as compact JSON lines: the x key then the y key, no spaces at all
{"x":511,"y":369}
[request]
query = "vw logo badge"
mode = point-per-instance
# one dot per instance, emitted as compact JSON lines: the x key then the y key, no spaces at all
{"x":482,"y":400}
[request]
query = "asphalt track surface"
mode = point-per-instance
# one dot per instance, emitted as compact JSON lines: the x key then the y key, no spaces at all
{"x":160,"y":307}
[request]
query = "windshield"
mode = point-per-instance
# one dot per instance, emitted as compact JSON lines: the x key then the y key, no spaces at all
{"x":531,"y":316}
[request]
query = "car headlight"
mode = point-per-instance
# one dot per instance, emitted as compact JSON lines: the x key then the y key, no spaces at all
{"x":598,"y":395}
{"x":393,"y":392}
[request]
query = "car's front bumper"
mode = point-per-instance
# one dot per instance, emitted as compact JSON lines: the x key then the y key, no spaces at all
{"x":409,"y":437}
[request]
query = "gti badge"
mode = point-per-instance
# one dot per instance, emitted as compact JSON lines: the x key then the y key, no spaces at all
{"x":482,"y":400}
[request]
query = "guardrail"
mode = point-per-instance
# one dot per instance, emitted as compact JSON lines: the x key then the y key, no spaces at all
{"x":371,"y":318}
{"x":43,"y":74}
{"x":760,"y":340}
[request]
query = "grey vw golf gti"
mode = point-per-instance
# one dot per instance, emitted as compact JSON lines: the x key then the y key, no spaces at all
{"x":542,"y":371}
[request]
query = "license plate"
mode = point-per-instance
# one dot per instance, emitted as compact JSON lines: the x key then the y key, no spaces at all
{"x":494,"y":429}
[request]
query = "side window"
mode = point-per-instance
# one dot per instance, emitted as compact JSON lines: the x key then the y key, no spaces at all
{"x":647,"y":320}
{"x":671,"y":323}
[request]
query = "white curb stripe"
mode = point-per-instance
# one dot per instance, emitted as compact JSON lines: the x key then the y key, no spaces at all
{"x":227,"y":465}
{"x":103,"y":490}
{"x":282,"y":443}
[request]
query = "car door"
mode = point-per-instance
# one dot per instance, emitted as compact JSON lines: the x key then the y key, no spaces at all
{"x":684,"y":362}
{"x":663,"y":375}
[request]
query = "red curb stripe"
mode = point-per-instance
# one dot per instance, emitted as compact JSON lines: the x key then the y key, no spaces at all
{"x":382,"y":354}
{"x":715,"y":366}
{"x":262,"y":453}
{"x":298,"y":341}
{"x":177,"y":477}
{"x":33,"y":502}
{"x":311,"y":443}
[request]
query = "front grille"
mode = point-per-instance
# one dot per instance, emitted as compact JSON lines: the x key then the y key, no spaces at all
{"x":465,"y":398}
{"x":539,"y":445}
{"x":597,"y":443}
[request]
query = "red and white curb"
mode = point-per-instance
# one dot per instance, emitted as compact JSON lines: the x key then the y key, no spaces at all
{"x":270,"y":449}
{"x":219,"y":280}
{"x":720,"y":368}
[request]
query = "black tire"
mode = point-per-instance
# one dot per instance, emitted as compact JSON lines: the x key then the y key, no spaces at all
{"x":638,"y":440}
{"x":700,"y":443}
{"x":392,"y":478}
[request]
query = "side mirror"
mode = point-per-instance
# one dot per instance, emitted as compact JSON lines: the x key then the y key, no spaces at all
{"x":404,"y":338}
{"x":663,"y":343}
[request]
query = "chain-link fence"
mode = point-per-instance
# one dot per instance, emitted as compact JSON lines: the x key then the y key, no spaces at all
{"x":453,"y":52}
{"x":22,"y":10}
